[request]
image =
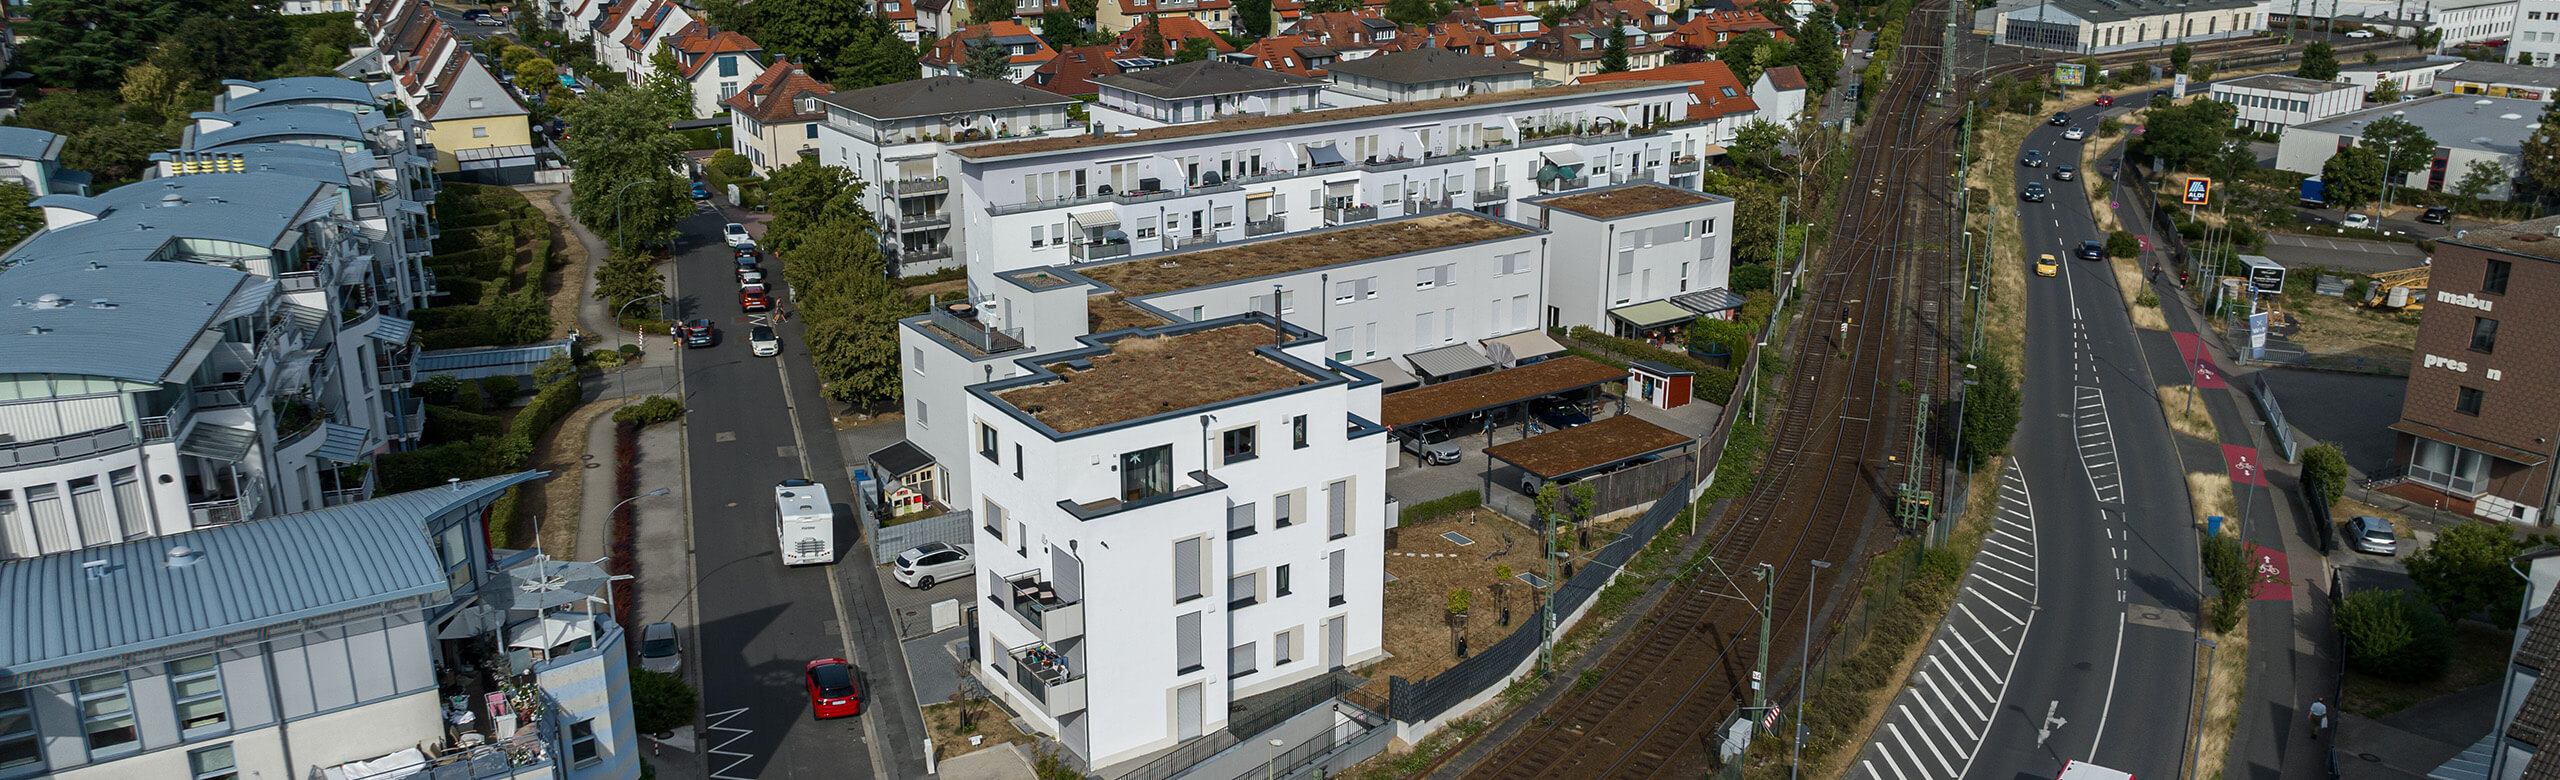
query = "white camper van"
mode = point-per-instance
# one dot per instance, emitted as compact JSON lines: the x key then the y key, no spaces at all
{"x":804,"y":524}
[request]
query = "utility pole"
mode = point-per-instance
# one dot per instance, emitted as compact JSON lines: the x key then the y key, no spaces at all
{"x":1547,"y":602}
{"x":1760,"y":675}
{"x":1804,"y":663}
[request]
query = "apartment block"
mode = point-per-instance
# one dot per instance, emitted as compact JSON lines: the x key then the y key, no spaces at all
{"x":1198,"y":91}
{"x":336,"y":652}
{"x":2269,"y":103}
{"x":1122,"y":620}
{"x":2475,"y":425}
{"x":900,"y":134}
{"x":32,"y":158}
{"x":1660,"y":242}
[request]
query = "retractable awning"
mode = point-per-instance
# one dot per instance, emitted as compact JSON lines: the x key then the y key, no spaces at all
{"x":1094,"y":216}
{"x":1561,"y":157}
{"x":1390,"y":376}
{"x":1710,"y":301}
{"x":1652,"y":314}
{"x":1449,"y":361}
{"x":220,"y":443}
{"x":344,"y":443}
{"x":1509,"y":350}
{"x":1324,"y":155}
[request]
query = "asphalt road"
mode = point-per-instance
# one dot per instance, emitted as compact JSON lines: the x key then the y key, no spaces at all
{"x":2107,"y":669}
{"x":752,"y":422}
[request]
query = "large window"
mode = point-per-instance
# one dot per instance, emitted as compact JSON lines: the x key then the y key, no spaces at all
{"x":213,"y":763}
{"x":2494,"y":282}
{"x":1298,"y":432}
{"x":2484,"y":334}
{"x":1238,"y":444}
{"x":195,"y":683}
{"x":1146,"y":473}
{"x":106,"y":713}
{"x":17,"y":732}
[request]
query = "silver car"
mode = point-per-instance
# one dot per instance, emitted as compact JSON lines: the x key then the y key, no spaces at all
{"x":660,"y":650}
{"x":1431,"y":444}
{"x":933,"y":562}
{"x":2373,"y":535}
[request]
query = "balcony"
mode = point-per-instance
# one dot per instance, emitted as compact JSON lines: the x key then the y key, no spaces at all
{"x":909,"y":223}
{"x":1562,"y":184}
{"x":1085,"y":251}
{"x":14,"y":454}
{"x":299,"y":281}
{"x":221,"y":395}
{"x":1493,"y":194}
{"x":1188,"y":242}
{"x":1684,"y":165}
{"x":396,"y":373}
{"x":1343,"y":215}
{"x":972,"y":332}
{"x":1040,"y":606}
{"x":1046,"y":676}
{"x":1419,"y":205}
{"x":1264,"y":227}
{"x":925,"y":254}
{"x":920,"y":186}
{"x":239,"y":502}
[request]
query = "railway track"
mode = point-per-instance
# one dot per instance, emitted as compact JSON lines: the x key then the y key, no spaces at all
{"x":1668,"y":689}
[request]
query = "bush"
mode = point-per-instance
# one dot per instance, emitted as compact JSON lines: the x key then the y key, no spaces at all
{"x":1435,"y":508}
{"x":501,"y":389}
{"x":2323,"y":468}
{"x":2235,"y":581}
{"x":553,"y":403}
{"x":2123,"y":244}
{"x":660,"y":701}
{"x":650,"y":411}
{"x":400,"y":472}
{"x":1750,"y":277}
{"x":2109,"y":127}
{"x":452,"y":425}
{"x":2394,"y":635}
{"x":502,"y":514}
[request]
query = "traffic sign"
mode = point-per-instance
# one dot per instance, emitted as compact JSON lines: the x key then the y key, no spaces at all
{"x":2199,"y":189}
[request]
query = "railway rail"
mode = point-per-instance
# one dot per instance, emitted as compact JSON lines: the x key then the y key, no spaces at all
{"x":1666,"y":690}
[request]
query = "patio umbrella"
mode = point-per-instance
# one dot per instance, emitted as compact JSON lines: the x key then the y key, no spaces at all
{"x":545,"y":584}
{"x":470,"y":620}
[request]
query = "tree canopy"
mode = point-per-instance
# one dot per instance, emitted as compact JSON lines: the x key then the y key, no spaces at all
{"x":987,"y":59}
{"x":2403,"y":146}
{"x":2541,"y":154}
{"x":622,"y":141}
{"x":2186,"y":133}
{"x":839,"y":280}
{"x":2352,"y":177}
{"x":2319,"y":62}
{"x":2479,"y":178}
{"x":838,"y":41}
{"x":1613,"y":57}
{"x":17,"y":219}
{"x":2464,"y":573}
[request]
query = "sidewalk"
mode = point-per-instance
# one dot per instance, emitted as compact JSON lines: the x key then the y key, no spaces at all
{"x":2290,"y":660}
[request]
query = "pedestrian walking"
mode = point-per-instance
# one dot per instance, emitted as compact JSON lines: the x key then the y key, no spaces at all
{"x":2319,"y":717}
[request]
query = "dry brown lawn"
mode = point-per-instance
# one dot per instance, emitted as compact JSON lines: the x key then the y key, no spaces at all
{"x":1297,"y":252}
{"x":567,"y":284}
{"x":1107,"y":313}
{"x":1428,"y":566}
{"x":2221,"y":713}
{"x":1157,"y":374}
{"x":936,"y":290}
{"x":563,"y":452}
{"x":2209,"y":493}
{"x":986,"y":721}
{"x":2180,"y":403}
{"x":2335,"y":326}
{"x":2131,"y":285}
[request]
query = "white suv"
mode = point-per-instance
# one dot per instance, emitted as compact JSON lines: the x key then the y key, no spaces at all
{"x":933,"y":562}
{"x":736,"y":234}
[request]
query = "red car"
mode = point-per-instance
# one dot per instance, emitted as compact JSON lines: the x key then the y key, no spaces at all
{"x":752,"y":298}
{"x":2106,"y":100}
{"x":833,"y":693}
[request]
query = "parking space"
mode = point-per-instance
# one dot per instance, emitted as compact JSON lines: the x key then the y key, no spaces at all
{"x":913,"y":606}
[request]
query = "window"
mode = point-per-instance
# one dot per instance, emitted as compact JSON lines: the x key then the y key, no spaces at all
{"x":1244,"y":590}
{"x":1237,"y":444}
{"x":1336,"y":565}
{"x":1284,"y":510}
{"x":1186,"y":570}
{"x":1298,"y":432}
{"x":1186,"y":643}
{"x":729,"y":64}
{"x":1280,"y":581}
{"x":1346,"y":290}
{"x":1338,"y":509}
{"x":479,"y":103}
{"x":106,"y":713}
{"x":812,"y":129}
{"x":1240,"y":520}
{"x":480,"y":131}
{"x":1017,"y":461}
{"x":2484,"y":334}
{"x":582,"y":744}
{"x":1146,"y":473}
{"x":1425,"y":278}
{"x":2495,"y":281}
{"x":1240,"y":660}
{"x":2468,"y":402}
{"x":195,"y":683}
{"x":17,"y":732}
{"x":994,"y":518}
{"x":921,"y":418}
{"x":213,"y":763}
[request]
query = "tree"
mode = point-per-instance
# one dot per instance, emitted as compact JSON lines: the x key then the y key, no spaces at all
{"x":1061,"y":30}
{"x":2187,"y":133}
{"x":2405,"y":148}
{"x":1195,"y":50}
{"x":1254,"y":16}
{"x":17,"y":219}
{"x":660,"y":701}
{"x":828,"y":37}
{"x":2352,"y":177}
{"x":1990,"y":411}
{"x":2122,"y":243}
{"x":628,"y":276}
{"x":1412,"y":13}
{"x":989,"y":11}
{"x":65,"y":113}
{"x":154,"y":95}
{"x":2384,"y":91}
{"x":667,"y":85}
{"x":2319,"y":62}
{"x":1327,"y":6}
{"x":1743,"y":55}
{"x":1756,"y":144}
{"x":1613,"y":57}
{"x":2180,"y":56}
{"x":2392,"y":634}
{"x":2232,"y":163}
{"x":536,"y":71}
{"x":623,"y":142}
{"x":1815,"y":55}
{"x":1756,"y":230}
{"x":2464,"y":573}
{"x":2480,"y":177}
{"x":987,"y":59}
{"x":2540,"y":154}
{"x":1151,"y":40}
{"x":113,"y":152}
{"x":223,"y":44}
{"x":87,"y":44}
{"x":2325,"y":470}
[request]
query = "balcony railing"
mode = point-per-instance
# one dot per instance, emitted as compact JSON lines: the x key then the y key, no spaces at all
{"x":217,"y":512}
{"x":925,"y":254}
{"x":907,"y":223}
{"x":1083,"y":251}
{"x":299,"y":281}
{"x":1498,"y":192}
{"x":1684,"y":166}
{"x":1187,"y":242}
{"x":397,"y":374}
{"x":226,"y":395}
{"x":1265,"y":227}
{"x":79,"y":445}
{"x":1419,"y":205}
{"x":1039,"y":605}
{"x":920,"y":186}
{"x":1047,"y":676}
{"x":1340,"y":215}
{"x":1561,"y":185}
{"x":974,"y":332}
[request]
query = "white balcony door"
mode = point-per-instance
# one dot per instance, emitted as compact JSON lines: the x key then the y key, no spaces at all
{"x":1186,"y":712}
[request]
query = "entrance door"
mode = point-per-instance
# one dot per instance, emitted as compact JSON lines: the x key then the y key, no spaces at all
{"x":1186,"y":712}
{"x":1333,"y":628}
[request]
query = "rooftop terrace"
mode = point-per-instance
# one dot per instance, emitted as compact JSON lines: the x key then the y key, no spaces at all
{"x":1616,"y":202}
{"x":1061,"y":143}
{"x":1149,"y":375}
{"x":1158,"y":273}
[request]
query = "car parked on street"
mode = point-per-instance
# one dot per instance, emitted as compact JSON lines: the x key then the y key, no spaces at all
{"x":833,"y":691}
{"x":2034,"y":193}
{"x":1431,"y":444}
{"x":2359,"y":33}
{"x":736,"y":234}
{"x":2092,"y":250}
{"x":2372,"y":535}
{"x":752,"y":298}
{"x":660,"y":650}
{"x":750,"y":275}
{"x":694,"y":333}
{"x":2436,"y":215}
{"x":925,"y":565}
{"x":701,"y":191}
{"x":2363,"y":221}
{"x":762,"y":339}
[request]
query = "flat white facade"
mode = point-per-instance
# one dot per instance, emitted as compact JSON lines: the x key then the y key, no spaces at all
{"x":1257,"y":570}
{"x":1602,"y":263}
{"x":2475,"y":21}
{"x":2269,"y":104}
{"x":2413,"y":78}
{"x":2456,"y":124}
{"x":2537,"y":36}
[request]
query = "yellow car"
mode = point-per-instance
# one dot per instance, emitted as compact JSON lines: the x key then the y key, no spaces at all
{"x":2046,"y":265}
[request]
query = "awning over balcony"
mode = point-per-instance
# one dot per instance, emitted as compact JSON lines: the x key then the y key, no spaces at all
{"x":218,"y":442}
{"x":251,"y":297}
{"x":551,"y":631}
{"x":304,"y":320}
{"x":1561,"y":157}
{"x":186,"y":366}
{"x":345,"y":443}
{"x":1094,"y":216}
{"x":1509,"y":350}
{"x":1652,"y":314}
{"x":1449,"y":361}
{"x":392,"y":330}
{"x":1711,"y":301}
{"x":1324,"y":155}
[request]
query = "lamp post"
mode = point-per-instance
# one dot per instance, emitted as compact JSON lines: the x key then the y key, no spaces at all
{"x":2195,"y":734}
{"x":619,"y":232}
{"x":1271,"y":762}
{"x":1804,"y":664}
{"x":626,"y":305}
{"x":651,"y":494}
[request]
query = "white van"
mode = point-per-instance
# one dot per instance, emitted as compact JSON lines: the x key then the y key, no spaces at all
{"x":804,"y":524}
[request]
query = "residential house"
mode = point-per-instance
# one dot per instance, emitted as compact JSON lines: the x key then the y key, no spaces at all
{"x":1711,"y":31}
{"x":931,"y":18}
{"x":1780,"y":91}
{"x":1071,"y":73}
{"x":2474,"y":431}
{"x":1719,"y":101}
{"x":1024,"y":51}
{"x":906,"y":17}
{"x":632,"y":46}
{"x":1115,"y":16}
{"x":1296,"y":55}
{"x":898,"y":134}
{"x":1460,"y":38}
{"x":717,"y":63}
{"x":774,"y":121}
{"x":1287,"y":12}
{"x":1199,"y":91}
{"x":1565,"y":53}
{"x":1177,"y":31}
{"x":475,"y":125}
{"x":1632,"y":13}
{"x":1426,"y":74}
{"x":1511,"y":23}
{"x":1655,"y":243}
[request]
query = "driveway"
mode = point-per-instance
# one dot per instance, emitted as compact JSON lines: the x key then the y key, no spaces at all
{"x":2346,"y":254}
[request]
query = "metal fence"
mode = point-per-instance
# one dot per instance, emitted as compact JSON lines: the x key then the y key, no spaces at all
{"x":1416,"y":701}
{"x":1246,"y":724}
{"x":886,"y":542}
{"x":2275,"y":418}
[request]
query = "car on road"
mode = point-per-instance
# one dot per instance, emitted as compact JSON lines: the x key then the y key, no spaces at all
{"x":2106,"y":101}
{"x":475,"y":14}
{"x":749,"y":275}
{"x":694,"y":333}
{"x":736,"y":235}
{"x":492,"y":20}
{"x":2046,"y":265}
{"x":1559,"y":413}
{"x":833,"y":691}
{"x":925,"y":565}
{"x":2436,"y":215}
{"x":2034,"y":193}
{"x":2360,"y":33}
{"x":2092,"y":250}
{"x":660,"y":650}
{"x":2074,"y":133}
{"x":2034,"y":158}
{"x":2373,"y":535}
{"x":2364,"y":221}
{"x":2059,"y":119}
{"x":1431,"y":444}
{"x":752,"y":298}
{"x":2065,"y":172}
{"x":701,"y":191}
{"x":766,"y":344}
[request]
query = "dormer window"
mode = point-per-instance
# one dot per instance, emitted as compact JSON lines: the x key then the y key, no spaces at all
{"x":1586,"y":44}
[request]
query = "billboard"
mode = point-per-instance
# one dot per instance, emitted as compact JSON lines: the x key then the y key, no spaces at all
{"x":2070,"y":74}
{"x":2199,"y":189}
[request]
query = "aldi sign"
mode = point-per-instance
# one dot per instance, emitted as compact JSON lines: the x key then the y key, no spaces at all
{"x":2199,"y":189}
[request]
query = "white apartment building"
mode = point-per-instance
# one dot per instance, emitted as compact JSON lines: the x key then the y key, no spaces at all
{"x":1425,"y":73}
{"x":2413,"y":75}
{"x":2099,"y":26}
{"x":1131,"y":618}
{"x":1658,"y":242}
{"x":2270,"y":103}
{"x":2537,"y":36}
{"x":2474,"y":21}
{"x":335,"y":653}
{"x":1201,"y":91}
{"x":898,"y":135}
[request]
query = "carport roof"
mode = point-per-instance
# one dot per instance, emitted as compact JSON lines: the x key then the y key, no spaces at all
{"x":1500,"y":388}
{"x":1574,"y":450}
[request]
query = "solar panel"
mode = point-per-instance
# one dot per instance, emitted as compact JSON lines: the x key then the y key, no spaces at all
{"x":1534,"y":581}
{"x":1456,"y":538}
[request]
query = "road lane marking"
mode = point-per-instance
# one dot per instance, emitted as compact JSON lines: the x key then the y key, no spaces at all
{"x":1957,"y":696}
{"x":717,"y":722}
{"x":1942,"y":731}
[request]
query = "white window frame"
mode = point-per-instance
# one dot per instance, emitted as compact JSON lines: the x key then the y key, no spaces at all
{"x":179,"y":697}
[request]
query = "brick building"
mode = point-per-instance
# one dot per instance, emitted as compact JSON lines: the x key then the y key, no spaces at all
{"x":2481,"y":416}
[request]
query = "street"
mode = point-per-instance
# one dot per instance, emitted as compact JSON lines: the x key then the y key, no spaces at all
{"x":751,"y":423}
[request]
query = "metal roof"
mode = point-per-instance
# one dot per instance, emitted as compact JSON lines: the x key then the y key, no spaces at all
{"x":392,"y":330}
{"x":135,"y":220}
{"x":1653,"y":314}
{"x":1202,"y":78}
{"x":435,"y":360}
{"x":940,"y":95}
{"x":299,"y":88}
{"x":283,"y":120}
{"x":27,"y":143}
{"x":129,"y":320}
{"x":2503,"y":73}
{"x":1449,"y":360}
{"x":2497,"y":125}
{"x":2277,"y":82}
{"x":343,"y":443}
{"x":900,"y":459}
{"x":1429,"y":64}
{"x":2105,"y":11}
{"x":1388,"y":374}
{"x":1710,"y":300}
{"x":99,"y":602}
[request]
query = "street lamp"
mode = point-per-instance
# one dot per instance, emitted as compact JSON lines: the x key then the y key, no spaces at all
{"x":1271,"y":763}
{"x":1804,"y":663}
{"x":651,"y":494}
{"x":2195,"y":733}
{"x":626,"y":305}
{"x":619,"y":232}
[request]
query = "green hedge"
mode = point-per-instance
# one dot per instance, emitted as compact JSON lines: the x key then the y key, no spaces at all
{"x":501,"y":531}
{"x":1714,"y":385}
{"x":452,"y":425}
{"x":400,"y":472}
{"x":549,"y":405}
{"x":1441,"y":507}
{"x":650,"y":411}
